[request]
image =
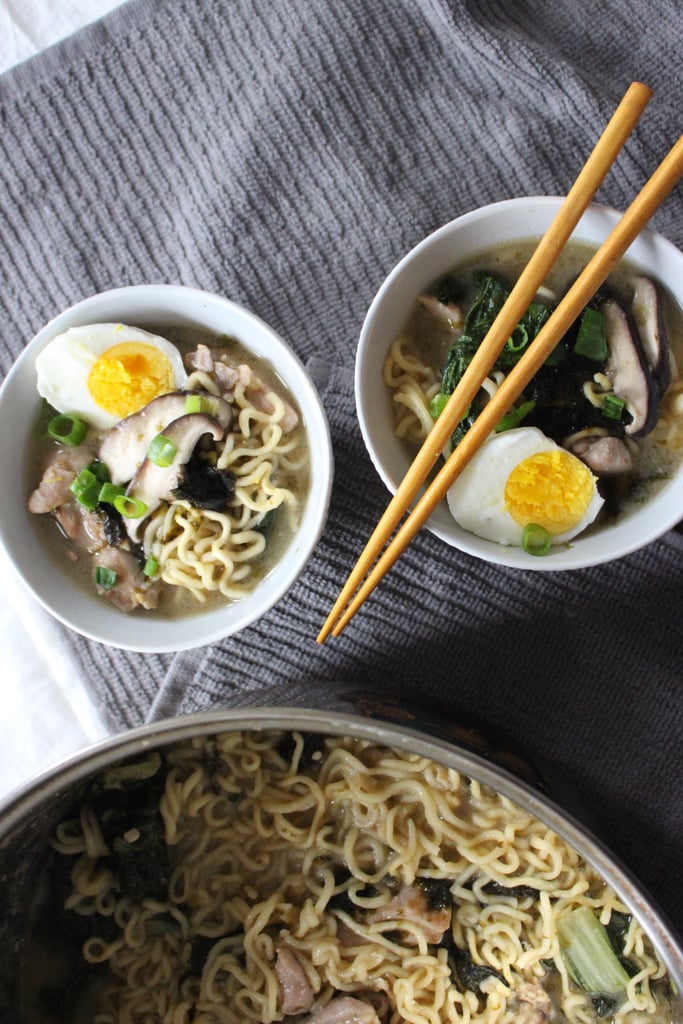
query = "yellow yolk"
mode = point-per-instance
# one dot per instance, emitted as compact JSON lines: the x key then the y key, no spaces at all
{"x":552,"y":489}
{"x":128,"y":376}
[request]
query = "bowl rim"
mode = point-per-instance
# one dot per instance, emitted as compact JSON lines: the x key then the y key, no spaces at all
{"x":591,"y":551}
{"x":109,"y":625}
{"x":56,"y":780}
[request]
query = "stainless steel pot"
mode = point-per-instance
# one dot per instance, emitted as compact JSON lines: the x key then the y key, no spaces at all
{"x":29,"y":815}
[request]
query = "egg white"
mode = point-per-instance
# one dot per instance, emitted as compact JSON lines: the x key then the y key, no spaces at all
{"x":63,"y":366}
{"x":477,"y":498}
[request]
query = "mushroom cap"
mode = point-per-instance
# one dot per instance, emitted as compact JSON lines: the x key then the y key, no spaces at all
{"x":153,"y":484}
{"x":124,"y":447}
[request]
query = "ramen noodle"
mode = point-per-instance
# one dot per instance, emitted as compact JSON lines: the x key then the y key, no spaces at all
{"x":206,"y":522}
{"x":322,"y":879}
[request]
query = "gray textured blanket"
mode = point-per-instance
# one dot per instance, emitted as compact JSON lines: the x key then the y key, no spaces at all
{"x":286,"y":154}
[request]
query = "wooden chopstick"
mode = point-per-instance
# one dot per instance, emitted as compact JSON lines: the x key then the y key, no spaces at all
{"x":579,"y":196}
{"x":610,"y":252}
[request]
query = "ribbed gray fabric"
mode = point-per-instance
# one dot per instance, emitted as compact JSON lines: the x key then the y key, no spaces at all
{"x":286,"y":155}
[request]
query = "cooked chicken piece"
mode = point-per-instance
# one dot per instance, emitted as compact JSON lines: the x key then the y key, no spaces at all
{"x":53,"y":489}
{"x":343,"y":1010}
{"x":85,"y":529}
{"x":132,"y":588}
{"x":531,"y":1004}
{"x":296,"y":994}
{"x":228,"y":377}
{"x":412,"y":903}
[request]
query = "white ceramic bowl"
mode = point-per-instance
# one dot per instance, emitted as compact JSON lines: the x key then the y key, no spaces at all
{"x":92,"y":616}
{"x":464,"y":238}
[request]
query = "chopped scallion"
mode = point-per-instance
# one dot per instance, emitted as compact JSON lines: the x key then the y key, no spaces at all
{"x":588,"y":954}
{"x":515,"y":416}
{"x":100,"y":470}
{"x":198,"y":403}
{"x":591,"y":339}
{"x":161,"y":451}
{"x":129,"y":507}
{"x":535,"y":539}
{"x":612,"y":406}
{"x":67,"y":429}
{"x":86,"y":488}
{"x":438,"y":404}
{"x":151,"y":567}
{"x":105,"y":577}
{"x":518,"y":340}
{"x":110,"y":492}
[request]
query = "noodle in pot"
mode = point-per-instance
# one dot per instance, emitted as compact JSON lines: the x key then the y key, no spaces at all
{"x":294,"y":873}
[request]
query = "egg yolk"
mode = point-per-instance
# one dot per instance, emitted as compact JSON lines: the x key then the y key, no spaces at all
{"x":552,"y":489}
{"x":129,"y":375}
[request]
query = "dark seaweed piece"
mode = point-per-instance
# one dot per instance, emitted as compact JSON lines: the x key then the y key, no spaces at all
{"x":265,"y":527}
{"x":113,"y":527}
{"x":617,"y":929}
{"x":204,"y":486}
{"x":437,"y":893}
{"x":604,"y":1006}
{"x":469,"y":974}
{"x":140,"y":861}
{"x":125,"y":799}
{"x":494,"y":888}
{"x":561,"y":408}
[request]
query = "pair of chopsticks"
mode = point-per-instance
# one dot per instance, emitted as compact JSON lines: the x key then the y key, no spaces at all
{"x":374,"y":562}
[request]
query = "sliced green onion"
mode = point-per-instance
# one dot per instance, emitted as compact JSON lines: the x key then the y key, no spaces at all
{"x":67,"y":429}
{"x":515,"y":416}
{"x":151,"y":567}
{"x":129,"y":507}
{"x":438,"y":404}
{"x":86,"y":488}
{"x":105,"y":577}
{"x":523,"y":339}
{"x":198,"y":403}
{"x":161,"y":451}
{"x":110,"y":492}
{"x":588,"y":953}
{"x":100,"y":470}
{"x":612,"y":406}
{"x":591,"y":339}
{"x":536,"y":539}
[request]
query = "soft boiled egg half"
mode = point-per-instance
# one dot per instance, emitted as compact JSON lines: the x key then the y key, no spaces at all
{"x":105,"y":372}
{"x":521,"y":478}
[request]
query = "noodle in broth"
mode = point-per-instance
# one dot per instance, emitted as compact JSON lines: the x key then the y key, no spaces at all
{"x":303,"y":871}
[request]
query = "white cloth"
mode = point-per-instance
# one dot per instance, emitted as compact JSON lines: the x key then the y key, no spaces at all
{"x":47,"y":712}
{"x":28,"y":26}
